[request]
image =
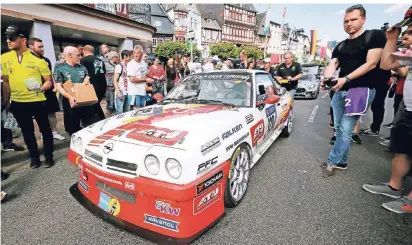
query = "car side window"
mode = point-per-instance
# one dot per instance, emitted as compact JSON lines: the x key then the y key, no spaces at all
{"x":278,"y":87}
{"x":264,"y":85}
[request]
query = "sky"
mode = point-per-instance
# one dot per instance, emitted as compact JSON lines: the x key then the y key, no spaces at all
{"x":327,"y":19}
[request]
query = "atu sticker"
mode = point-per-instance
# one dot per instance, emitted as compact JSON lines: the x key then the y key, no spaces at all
{"x":202,"y":202}
{"x":257,"y":131}
{"x":154,"y":135}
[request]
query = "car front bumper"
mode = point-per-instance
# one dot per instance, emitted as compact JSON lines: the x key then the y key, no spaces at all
{"x":304,"y":93}
{"x":161,"y":212}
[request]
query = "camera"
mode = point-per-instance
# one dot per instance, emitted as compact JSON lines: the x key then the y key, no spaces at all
{"x":385,"y":27}
{"x":329,"y":83}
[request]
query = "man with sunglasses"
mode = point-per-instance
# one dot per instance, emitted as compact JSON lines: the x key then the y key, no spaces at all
{"x":291,"y":71}
{"x":357,"y":57}
{"x":72,"y":70}
{"x":22,"y":83}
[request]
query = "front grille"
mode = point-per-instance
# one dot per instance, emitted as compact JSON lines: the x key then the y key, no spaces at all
{"x":93,"y":156}
{"x":122,"y":167}
{"x":122,"y":195}
{"x":300,"y":90}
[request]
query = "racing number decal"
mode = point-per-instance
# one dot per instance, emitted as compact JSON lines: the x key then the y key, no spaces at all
{"x":257,"y":132}
{"x":271,"y":116}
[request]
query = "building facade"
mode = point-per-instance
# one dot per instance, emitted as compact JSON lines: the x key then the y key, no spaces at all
{"x":163,"y":24}
{"x":179,"y":15}
{"x":121,"y":26}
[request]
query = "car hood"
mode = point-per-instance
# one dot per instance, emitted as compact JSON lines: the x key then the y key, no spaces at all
{"x":305,"y":83}
{"x":176,"y":126}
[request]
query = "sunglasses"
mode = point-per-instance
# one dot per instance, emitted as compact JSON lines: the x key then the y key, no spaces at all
{"x":12,"y":38}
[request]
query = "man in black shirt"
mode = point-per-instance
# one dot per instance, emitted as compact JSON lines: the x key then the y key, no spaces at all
{"x":357,"y":58}
{"x":292,"y":71}
{"x":97,"y":72}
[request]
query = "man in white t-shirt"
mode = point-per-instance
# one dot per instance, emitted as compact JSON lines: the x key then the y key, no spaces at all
{"x":137,"y":78}
{"x":120,"y":83}
{"x":401,"y":132}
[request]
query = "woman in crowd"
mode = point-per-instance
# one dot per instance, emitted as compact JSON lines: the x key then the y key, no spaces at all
{"x":171,"y":75}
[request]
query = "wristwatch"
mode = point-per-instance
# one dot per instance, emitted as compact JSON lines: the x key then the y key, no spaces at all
{"x":347,"y":79}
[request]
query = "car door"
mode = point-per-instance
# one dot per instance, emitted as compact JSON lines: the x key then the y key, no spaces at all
{"x":267,"y":115}
{"x":284,"y":103}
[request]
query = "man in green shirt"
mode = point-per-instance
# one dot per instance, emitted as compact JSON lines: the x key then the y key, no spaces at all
{"x":76,"y":73}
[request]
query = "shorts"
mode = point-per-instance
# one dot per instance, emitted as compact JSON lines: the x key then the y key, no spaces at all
{"x":52,"y":103}
{"x":137,"y":100}
{"x":110,"y":97}
{"x":401,"y":132}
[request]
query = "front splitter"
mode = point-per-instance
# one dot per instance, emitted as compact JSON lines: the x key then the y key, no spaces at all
{"x":142,"y":232}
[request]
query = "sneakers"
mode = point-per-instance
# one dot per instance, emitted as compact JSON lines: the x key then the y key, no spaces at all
{"x":2,"y":195}
{"x":368,"y":132}
{"x":328,"y":171}
{"x":385,"y":142}
{"x":35,"y":163}
{"x":332,"y":140}
{"x":49,"y":162}
{"x":389,"y":125}
{"x":356,"y":139}
{"x":401,"y":206}
{"x":382,"y":190}
{"x":341,"y":166}
{"x":13,"y":147}
{"x":58,"y":136}
{"x":331,"y":125}
{"x":385,"y":138}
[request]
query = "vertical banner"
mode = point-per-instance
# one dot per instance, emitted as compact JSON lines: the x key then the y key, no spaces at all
{"x":313,"y":41}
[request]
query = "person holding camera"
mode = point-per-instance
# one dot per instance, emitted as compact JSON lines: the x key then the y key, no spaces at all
{"x":357,"y":57}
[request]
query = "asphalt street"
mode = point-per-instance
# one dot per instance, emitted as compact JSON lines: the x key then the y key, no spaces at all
{"x":288,"y":200}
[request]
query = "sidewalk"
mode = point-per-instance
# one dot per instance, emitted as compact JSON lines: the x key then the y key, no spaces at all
{"x":11,"y":157}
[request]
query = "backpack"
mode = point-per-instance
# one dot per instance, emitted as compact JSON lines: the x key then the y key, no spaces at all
{"x":368,"y":37}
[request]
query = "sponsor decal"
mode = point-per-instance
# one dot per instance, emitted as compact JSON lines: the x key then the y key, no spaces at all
{"x":121,"y":116}
{"x":204,"y":201}
{"x":155,"y":135}
{"x":231,"y":132}
{"x":243,"y":77}
{"x":157,"y":110}
{"x":161,"y":222}
{"x":237,"y":142}
{"x":83,"y":185}
{"x":108,"y":148}
{"x":209,"y":146}
{"x":230,"y":109}
{"x":202,"y":187}
{"x":108,"y":204}
{"x":129,"y":186}
{"x":166,"y":208}
{"x":142,"y":112}
{"x":249,"y":118}
{"x":285,"y":107}
{"x":206,"y":165}
{"x":271,"y":117}
{"x":257,"y":131}
{"x":104,"y":178}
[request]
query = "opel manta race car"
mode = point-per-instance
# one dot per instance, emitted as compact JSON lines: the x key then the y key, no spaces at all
{"x":166,"y":172}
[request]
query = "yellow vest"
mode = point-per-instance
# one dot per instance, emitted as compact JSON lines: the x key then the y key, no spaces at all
{"x":29,"y":69}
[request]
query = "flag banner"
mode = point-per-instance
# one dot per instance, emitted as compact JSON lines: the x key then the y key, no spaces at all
{"x":313,"y":41}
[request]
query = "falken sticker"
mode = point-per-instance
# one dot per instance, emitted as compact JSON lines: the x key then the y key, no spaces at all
{"x":161,"y":222}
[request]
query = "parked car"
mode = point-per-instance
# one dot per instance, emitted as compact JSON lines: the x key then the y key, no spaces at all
{"x":167,"y":171}
{"x":308,"y":87}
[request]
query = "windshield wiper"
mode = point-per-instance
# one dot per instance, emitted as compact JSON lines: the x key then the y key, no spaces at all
{"x":204,"y":101}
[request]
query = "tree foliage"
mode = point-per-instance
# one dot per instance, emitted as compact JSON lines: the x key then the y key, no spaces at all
{"x":224,"y":50}
{"x":252,"y":51}
{"x":168,"y":49}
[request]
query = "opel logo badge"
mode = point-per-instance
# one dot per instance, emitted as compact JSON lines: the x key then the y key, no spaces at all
{"x":108,"y":148}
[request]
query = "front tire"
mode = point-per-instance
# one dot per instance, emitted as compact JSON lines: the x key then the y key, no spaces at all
{"x":238,"y":178}
{"x":287,"y":130}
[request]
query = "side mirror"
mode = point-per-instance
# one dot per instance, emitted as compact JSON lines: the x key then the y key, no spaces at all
{"x":272,"y":99}
{"x":158,"y":97}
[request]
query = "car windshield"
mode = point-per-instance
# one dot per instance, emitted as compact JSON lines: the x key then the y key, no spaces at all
{"x":213,"y":88}
{"x":307,"y":77}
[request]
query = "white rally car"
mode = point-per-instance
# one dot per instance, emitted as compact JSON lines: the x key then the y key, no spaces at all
{"x":167,"y":171}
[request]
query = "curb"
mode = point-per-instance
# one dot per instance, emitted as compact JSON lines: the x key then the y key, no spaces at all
{"x":24,"y":155}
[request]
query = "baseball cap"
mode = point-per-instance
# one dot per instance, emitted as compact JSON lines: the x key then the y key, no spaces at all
{"x":266,"y":60}
{"x":407,"y":19}
{"x":112,"y":54}
{"x":14,"y":31}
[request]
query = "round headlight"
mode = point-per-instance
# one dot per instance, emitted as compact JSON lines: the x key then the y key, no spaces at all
{"x":152,"y":164}
{"x":79,"y":144}
{"x":173,"y":168}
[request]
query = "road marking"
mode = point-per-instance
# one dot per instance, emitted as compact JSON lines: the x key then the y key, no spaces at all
{"x":324,"y":96}
{"x":313,"y":114}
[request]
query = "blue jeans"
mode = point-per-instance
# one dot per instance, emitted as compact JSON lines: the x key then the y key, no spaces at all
{"x":122,"y":105}
{"x":110,"y":97}
{"x":292,"y":93}
{"x":343,"y":127}
{"x":139,"y":100}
